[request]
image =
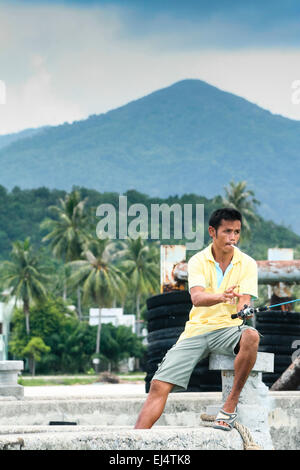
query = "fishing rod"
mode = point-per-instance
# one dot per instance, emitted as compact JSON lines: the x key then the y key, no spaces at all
{"x":248,"y":311}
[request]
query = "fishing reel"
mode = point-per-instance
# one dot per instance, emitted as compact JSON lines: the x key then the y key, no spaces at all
{"x":247,"y":312}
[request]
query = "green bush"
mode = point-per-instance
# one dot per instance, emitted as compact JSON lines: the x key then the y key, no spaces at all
{"x":72,"y":343}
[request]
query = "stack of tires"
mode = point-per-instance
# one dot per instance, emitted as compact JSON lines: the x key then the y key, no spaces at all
{"x":280,"y":335}
{"x":166,"y":316}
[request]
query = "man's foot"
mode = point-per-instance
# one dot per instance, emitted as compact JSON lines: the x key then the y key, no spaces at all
{"x":225,"y":420}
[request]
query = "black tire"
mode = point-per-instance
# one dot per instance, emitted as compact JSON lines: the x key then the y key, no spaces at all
{"x":282,"y":360}
{"x":211,"y":377}
{"x":278,"y":339}
{"x":161,"y":346}
{"x":169,"y":298}
{"x":169,"y":321}
{"x":205,"y":388}
{"x":202,"y":363}
{"x":180,"y":309}
{"x":276,"y":349}
{"x":269,"y":379}
{"x":278,"y":329}
{"x":151,"y":368}
{"x":278,"y":316}
{"x":279,"y":369}
{"x":164,"y":333}
{"x":154,"y":359}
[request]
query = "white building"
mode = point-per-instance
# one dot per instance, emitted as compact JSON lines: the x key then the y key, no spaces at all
{"x":6,"y":309}
{"x":111,"y":315}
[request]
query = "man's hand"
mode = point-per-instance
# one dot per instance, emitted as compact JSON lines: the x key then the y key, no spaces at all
{"x":200,"y":298}
{"x":229,"y":295}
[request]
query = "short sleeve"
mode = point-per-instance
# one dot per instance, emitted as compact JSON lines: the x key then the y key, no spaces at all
{"x":249,"y":281}
{"x":195,"y":273}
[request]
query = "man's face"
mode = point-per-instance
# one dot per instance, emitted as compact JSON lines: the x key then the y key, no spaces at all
{"x":228,"y":234}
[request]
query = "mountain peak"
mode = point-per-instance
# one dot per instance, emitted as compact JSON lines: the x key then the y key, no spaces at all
{"x":189,"y":137}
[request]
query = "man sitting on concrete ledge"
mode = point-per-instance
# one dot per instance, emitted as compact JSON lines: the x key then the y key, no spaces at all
{"x":217,"y":276}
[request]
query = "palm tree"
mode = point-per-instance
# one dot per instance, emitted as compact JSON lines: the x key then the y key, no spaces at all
{"x":141,"y":265}
{"x":68,"y":231}
{"x":24,"y":277}
{"x":103,"y":282}
{"x":237,"y":196}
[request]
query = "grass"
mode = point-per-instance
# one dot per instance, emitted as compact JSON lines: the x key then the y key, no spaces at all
{"x":29,"y":381}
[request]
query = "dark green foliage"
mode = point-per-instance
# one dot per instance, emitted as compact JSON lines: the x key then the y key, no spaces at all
{"x":120,"y":343}
{"x":33,"y":206}
{"x":71,"y":342}
{"x":21,"y":212}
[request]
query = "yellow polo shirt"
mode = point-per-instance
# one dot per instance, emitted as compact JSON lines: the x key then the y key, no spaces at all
{"x":202,"y":272}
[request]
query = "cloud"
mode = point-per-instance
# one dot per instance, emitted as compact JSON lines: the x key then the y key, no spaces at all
{"x":62,"y":63}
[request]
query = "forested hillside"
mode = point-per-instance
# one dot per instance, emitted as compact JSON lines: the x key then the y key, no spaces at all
{"x":188,"y":138}
{"x":22,"y":211}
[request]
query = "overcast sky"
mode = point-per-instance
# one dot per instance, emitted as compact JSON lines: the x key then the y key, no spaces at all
{"x":65,"y":60}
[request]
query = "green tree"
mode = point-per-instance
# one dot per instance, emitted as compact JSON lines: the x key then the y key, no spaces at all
{"x":141,"y":266}
{"x":24,"y":277}
{"x":68,"y":232}
{"x":72,"y":342}
{"x":237,"y":196}
{"x":102,"y":281}
{"x":34,"y":350}
{"x":119,"y":343}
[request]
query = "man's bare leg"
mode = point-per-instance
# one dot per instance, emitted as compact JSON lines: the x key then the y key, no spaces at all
{"x":154,"y":405}
{"x":243,"y":365}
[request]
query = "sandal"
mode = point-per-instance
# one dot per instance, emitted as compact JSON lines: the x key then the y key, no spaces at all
{"x":228,"y":418}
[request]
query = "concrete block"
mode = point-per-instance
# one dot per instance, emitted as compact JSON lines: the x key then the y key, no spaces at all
{"x":119,"y":438}
{"x":254,"y":403}
{"x":9,"y":371}
{"x":16,"y":391}
{"x":264,"y":362}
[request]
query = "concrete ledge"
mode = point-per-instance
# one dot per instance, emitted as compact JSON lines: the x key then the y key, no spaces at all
{"x":105,"y":414}
{"x":11,"y":365}
{"x":16,"y":391}
{"x":264,"y":362}
{"x":120,"y":438}
{"x":181,"y":410}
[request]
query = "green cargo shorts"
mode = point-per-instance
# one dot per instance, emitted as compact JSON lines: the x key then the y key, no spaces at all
{"x":179,"y":362}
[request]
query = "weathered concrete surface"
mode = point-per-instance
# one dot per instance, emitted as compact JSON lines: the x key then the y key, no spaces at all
{"x":254,"y":403}
{"x":284,"y":420}
{"x":182,"y":409}
{"x":120,"y":438}
{"x":264,"y":362}
{"x":111,"y":413}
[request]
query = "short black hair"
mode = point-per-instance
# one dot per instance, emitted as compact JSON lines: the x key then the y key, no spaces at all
{"x":226,"y":213}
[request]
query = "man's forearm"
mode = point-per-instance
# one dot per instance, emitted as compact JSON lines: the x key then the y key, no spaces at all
{"x":205,"y":299}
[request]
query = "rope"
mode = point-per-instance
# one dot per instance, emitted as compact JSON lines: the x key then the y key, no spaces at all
{"x":248,"y":441}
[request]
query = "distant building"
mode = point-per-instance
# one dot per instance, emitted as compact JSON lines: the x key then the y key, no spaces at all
{"x":6,"y":309}
{"x":112,"y":315}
